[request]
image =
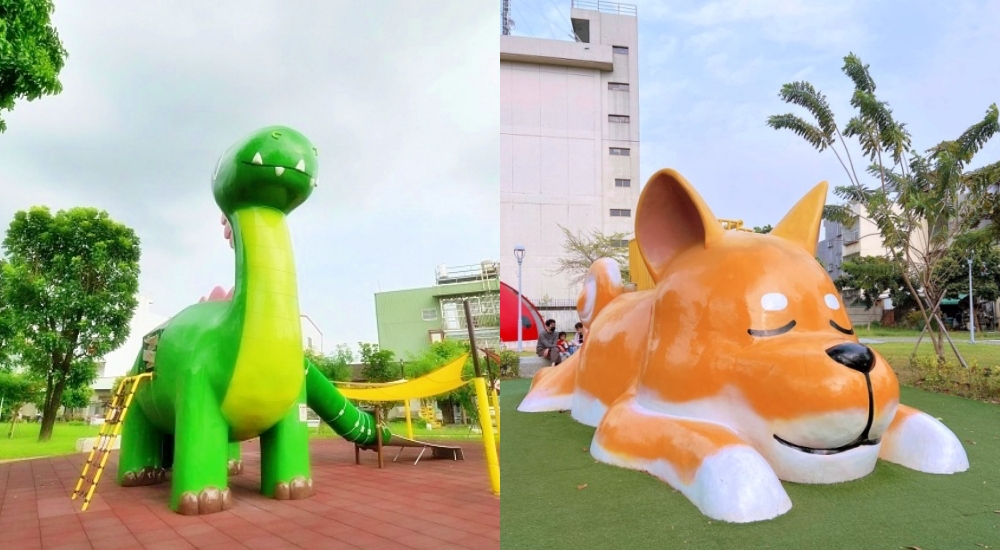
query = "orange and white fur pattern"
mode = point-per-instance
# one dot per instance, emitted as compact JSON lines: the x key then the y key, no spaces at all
{"x":739,"y":369}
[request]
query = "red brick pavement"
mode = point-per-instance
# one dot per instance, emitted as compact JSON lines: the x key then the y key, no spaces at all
{"x":437,"y":504}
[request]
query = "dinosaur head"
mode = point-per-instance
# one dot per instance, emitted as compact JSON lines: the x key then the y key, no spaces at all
{"x":274,"y":167}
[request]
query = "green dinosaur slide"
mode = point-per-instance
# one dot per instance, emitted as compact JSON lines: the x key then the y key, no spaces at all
{"x":226,"y":371}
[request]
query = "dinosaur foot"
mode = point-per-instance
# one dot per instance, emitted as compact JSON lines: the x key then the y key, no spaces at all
{"x":209,"y":501}
{"x":145,"y":476}
{"x":296,"y":489}
{"x":235,"y":467}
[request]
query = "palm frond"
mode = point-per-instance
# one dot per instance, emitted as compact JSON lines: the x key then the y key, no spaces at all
{"x":800,"y":127}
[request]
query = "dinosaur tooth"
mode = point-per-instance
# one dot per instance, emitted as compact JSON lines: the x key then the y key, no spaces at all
{"x":301,"y":166}
{"x":278,"y":170}
{"x":257,"y":159}
{"x":313,"y":182}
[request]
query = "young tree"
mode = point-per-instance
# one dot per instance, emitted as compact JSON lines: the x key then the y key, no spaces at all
{"x":73,"y":276}
{"x":918,"y":201}
{"x":76,"y":398}
{"x":15,"y":390}
{"x":766,"y":229}
{"x":31,"y":54}
{"x":581,"y":251}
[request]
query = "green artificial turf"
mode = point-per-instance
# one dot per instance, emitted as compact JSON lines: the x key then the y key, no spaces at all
{"x":546,"y":462}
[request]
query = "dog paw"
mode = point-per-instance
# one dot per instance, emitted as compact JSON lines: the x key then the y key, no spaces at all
{"x":737,"y":485}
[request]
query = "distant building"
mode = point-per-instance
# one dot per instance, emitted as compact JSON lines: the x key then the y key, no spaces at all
{"x":410,"y":320}
{"x":569,"y":142}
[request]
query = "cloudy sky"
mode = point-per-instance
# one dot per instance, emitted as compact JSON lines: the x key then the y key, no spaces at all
{"x":709,"y":74}
{"x":399,"y":97}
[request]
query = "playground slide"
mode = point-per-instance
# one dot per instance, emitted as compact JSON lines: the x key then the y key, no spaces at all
{"x":354,"y":424}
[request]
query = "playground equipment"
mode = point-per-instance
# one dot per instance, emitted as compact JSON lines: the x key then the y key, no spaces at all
{"x":231,"y":368}
{"x":738,"y":369}
{"x":440,"y":381}
{"x":529,"y":317}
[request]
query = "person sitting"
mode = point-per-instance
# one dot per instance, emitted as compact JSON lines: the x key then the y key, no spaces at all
{"x":578,"y":337}
{"x":563,"y":346}
{"x":546,"y":346}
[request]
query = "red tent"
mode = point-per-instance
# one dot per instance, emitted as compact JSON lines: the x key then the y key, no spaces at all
{"x":530,"y":318}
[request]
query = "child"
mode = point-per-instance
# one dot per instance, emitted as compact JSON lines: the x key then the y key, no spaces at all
{"x":563,"y":346}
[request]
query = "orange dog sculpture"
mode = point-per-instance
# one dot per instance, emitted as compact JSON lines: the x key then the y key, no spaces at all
{"x":739,"y":369}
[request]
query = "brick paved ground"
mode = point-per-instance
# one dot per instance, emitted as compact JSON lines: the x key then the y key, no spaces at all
{"x":436,"y":504}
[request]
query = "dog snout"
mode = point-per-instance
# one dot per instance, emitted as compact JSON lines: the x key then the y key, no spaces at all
{"x":853,"y":356}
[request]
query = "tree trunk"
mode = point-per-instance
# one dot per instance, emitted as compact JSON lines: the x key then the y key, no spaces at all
{"x":51,"y":407}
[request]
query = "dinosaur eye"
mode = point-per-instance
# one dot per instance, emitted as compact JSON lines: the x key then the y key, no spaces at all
{"x":773,"y":301}
{"x":832,"y":302}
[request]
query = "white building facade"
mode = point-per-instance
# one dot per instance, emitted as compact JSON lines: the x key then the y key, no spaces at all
{"x":569,"y":143}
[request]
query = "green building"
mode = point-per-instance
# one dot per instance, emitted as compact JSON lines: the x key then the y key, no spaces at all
{"x":410,"y":320}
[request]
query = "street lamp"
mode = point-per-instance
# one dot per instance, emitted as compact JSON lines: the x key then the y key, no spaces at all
{"x":519,"y":254}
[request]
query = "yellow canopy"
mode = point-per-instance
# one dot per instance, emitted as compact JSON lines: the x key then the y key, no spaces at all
{"x":442,"y":380}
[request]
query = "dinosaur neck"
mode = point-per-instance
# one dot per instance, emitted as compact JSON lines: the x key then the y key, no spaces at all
{"x":267,"y":375}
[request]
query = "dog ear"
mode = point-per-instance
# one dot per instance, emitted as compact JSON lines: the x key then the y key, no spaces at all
{"x":670,"y":218}
{"x":801,"y":224}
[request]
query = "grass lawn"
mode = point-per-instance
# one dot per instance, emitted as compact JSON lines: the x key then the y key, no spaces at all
{"x":25,"y":443}
{"x":547,"y":462}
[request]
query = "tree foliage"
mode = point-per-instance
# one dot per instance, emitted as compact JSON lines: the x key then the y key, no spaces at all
{"x":379,"y":365}
{"x":77,"y":397}
{"x":335,"y":366}
{"x":953,"y":271}
{"x":582,"y":250}
{"x":874,"y":276}
{"x":765,"y":229}
{"x":920,"y":202}
{"x":16,"y":391}
{"x":69,"y":287}
{"x":31,"y":54}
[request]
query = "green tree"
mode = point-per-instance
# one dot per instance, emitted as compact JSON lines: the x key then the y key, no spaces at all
{"x":73,"y":277}
{"x":31,"y":54}
{"x":76,"y":398}
{"x":379,"y":365}
{"x":919,"y":202}
{"x":16,"y":390}
{"x":335,"y":366}
{"x":953,"y":270}
{"x":873,"y":276}
{"x":582,"y":250}
{"x":766,"y":229}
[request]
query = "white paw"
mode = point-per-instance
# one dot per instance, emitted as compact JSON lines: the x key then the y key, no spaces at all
{"x":737,"y":485}
{"x":539,"y":401}
{"x":921,"y":442}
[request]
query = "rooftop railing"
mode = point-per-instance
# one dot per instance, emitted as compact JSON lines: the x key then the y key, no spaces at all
{"x":606,"y":7}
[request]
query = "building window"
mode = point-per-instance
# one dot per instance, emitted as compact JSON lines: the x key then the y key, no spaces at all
{"x":621,"y":213}
{"x":430,"y":315}
{"x":620,"y":244}
{"x":617,"y":118}
{"x":623,"y":183}
{"x":618,"y":86}
{"x":619,"y":50}
{"x":619,"y":152}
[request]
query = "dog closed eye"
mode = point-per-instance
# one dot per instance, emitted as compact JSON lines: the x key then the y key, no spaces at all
{"x":772,"y":332}
{"x":848,"y":331}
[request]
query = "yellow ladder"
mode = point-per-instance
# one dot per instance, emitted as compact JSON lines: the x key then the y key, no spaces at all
{"x":428,"y":414}
{"x":109,"y":431}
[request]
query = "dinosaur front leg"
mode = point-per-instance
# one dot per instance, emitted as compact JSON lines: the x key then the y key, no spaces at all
{"x":201,"y":449}
{"x":234,"y":464}
{"x":712,"y":466}
{"x":921,"y":442}
{"x":284,"y":456}
{"x":141,"y":459}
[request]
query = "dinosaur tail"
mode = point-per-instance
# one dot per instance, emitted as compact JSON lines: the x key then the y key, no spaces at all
{"x":602,"y":284}
{"x":347,"y":420}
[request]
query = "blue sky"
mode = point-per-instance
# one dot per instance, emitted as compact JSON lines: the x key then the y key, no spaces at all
{"x":396,"y":96}
{"x":709,"y":74}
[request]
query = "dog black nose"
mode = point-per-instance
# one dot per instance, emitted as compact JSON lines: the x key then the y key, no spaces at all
{"x":853,"y":356}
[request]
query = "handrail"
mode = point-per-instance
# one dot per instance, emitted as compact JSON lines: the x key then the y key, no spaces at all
{"x":606,"y":7}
